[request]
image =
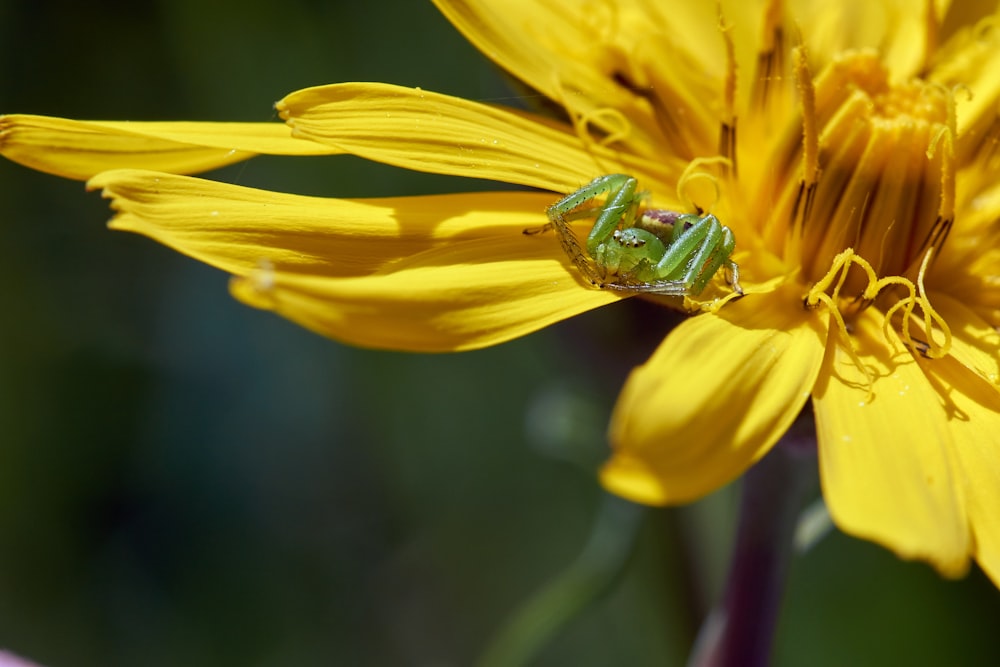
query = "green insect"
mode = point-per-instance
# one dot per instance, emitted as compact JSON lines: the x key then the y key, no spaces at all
{"x":659,"y":251}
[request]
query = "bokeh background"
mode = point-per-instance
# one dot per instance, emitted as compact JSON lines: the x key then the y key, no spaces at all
{"x":184,"y":480}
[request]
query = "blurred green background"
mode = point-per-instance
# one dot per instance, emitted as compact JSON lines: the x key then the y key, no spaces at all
{"x":184,"y":480}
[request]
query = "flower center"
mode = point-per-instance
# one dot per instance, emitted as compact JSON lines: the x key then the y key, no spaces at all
{"x":882,"y":182}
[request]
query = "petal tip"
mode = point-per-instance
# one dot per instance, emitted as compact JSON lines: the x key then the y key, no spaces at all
{"x":631,"y":479}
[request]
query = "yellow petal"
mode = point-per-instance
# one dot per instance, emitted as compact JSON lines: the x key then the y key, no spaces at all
{"x":80,"y":149}
{"x":967,"y":265}
{"x":716,"y":395}
{"x":898,"y":29}
{"x":885,"y":467}
{"x":973,"y":413}
{"x":974,"y":342}
{"x":605,"y":62}
{"x":969,"y":62}
{"x":967,"y":379}
{"x":437,"y":273}
{"x":425,"y":131}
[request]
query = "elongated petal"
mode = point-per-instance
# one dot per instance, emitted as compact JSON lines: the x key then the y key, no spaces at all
{"x":885,"y":467}
{"x":80,"y":149}
{"x":899,"y":29}
{"x":970,"y":263}
{"x":974,"y":342}
{"x":424,"y":131}
{"x":436,"y":273}
{"x":970,"y":61}
{"x":972,"y":406}
{"x":974,"y":422}
{"x":606,"y":63}
{"x":714,"y":398}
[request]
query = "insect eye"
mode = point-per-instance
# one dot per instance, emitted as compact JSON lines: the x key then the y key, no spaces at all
{"x":628,"y":239}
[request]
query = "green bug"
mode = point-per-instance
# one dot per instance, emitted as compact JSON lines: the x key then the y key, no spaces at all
{"x":659,"y":251}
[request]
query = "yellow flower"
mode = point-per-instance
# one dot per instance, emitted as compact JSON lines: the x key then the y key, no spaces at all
{"x":852,"y":147}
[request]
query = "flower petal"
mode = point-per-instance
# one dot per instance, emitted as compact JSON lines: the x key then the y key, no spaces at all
{"x":716,"y":395}
{"x":970,"y":62}
{"x":884,"y":464}
{"x":80,"y":149}
{"x":425,"y":131}
{"x":436,"y":273}
{"x":896,"y":28}
{"x":969,"y":375}
{"x":974,"y":342}
{"x":605,"y":63}
{"x":974,"y":423}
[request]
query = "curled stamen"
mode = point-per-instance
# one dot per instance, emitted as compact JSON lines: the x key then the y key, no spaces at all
{"x":929,"y":348}
{"x":826,"y":291}
{"x":931,"y":315}
{"x":838,"y":269}
{"x":852,"y":351}
{"x":817,"y":295}
{"x":715,"y":305}
{"x":604,"y":118}
{"x":841,"y":265}
{"x":691,"y":173}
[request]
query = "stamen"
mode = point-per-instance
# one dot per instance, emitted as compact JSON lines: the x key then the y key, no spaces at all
{"x":769,"y":60}
{"x":810,"y":133}
{"x":691,"y":173}
{"x":713,"y":306}
{"x":821,"y":293}
{"x":727,"y":144}
{"x":931,"y":31}
{"x":936,"y":351}
{"x":727,"y":129}
{"x":876,"y":157}
{"x":946,"y":134}
{"x":818,"y":294}
{"x":606,"y":119}
{"x":805,"y":196}
{"x":612,"y":123}
{"x":930,"y":348}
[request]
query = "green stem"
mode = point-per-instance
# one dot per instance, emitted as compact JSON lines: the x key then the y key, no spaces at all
{"x":591,"y":574}
{"x":741,"y":630}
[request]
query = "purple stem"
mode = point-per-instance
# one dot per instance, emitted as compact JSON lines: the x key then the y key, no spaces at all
{"x":741,"y":630}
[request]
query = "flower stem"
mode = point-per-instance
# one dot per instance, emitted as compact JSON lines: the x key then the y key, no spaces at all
{"x":592,"y":574}
{"x":740,"y":631}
